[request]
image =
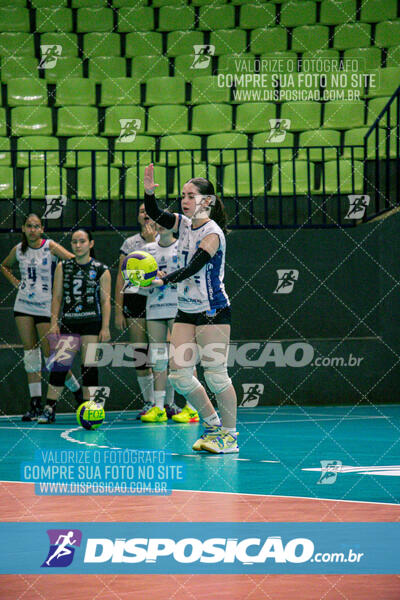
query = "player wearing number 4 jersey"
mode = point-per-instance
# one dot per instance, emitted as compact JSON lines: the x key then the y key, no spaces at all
{"x":203,"y":307}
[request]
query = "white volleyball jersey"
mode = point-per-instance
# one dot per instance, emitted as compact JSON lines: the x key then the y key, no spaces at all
{"x":135,"y":242}
{"x":36,"y":266}
{"x":162,"y":302}
{"x":204,"y":291}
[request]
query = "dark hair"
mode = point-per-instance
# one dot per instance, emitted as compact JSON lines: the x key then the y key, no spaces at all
{"x":24,"y":241}
{"x":90,"y":237}
{"x":218,"y":213}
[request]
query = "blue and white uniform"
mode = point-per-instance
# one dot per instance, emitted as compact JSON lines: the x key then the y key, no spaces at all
{"x":36,"y":267}
{"x":162,"y":302}
{"x":204,"y":291}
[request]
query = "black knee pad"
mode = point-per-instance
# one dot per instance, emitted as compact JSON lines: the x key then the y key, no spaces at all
{"x":57,"y":378}
{"x":90,"y":376}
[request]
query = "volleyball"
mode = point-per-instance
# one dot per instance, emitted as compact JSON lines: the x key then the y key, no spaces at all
{"x":139,"y":268}
{"x":90,"y":415}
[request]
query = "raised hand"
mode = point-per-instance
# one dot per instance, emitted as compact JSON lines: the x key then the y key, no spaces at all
{"x":148,"y":179}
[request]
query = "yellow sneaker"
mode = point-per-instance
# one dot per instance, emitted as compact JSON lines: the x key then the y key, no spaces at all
{"x":210,"y":433}
{"x":155,"y":415}
{"x":224,"y":443}
{"x":187,"y":415}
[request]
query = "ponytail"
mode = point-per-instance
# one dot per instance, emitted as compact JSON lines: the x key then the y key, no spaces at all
{"x":24,"y":240}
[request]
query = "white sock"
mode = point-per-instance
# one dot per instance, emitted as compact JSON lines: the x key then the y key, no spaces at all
{"x":229,"y":430}
{"x":72,"y":383}
{"x":169,"y":394}
{"x":159,"y":398}
{"x":35,"y":389}
{"x":146,"y":384}
{"x":213,"y":420}
{"x":190,"y":406}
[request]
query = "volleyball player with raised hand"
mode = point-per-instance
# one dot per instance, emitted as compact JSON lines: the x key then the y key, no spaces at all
{"x":203,"y":307}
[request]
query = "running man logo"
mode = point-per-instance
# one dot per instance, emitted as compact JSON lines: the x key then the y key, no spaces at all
{"x":251,"y":394}
{"x":129,"y":128}
{"x":62,"y":547}
{"x":357,"y":206}
{"x":62,"y":351}
{"x":54,"y":206}
{"x":329,"y":471}
{"x":202,"y":56}
{"x":278,"y":130}
{"x":49,"y":55}
{"x":99,"y":394}
{"x":286,"y":280}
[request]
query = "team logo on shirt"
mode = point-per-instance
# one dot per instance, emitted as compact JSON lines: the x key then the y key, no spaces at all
{"x":92,"y":274}
{"x":202,"y":55}
{"x":129,"y":128}
{"x":251,"y":394}
{"x":357,"y":206}
{"x":286,"y":280}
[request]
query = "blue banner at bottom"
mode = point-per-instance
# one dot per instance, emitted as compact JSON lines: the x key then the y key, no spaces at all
{"x":200,"y":548}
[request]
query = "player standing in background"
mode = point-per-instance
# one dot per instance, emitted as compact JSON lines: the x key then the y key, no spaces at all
{"x":161,"y":308}
{"x":37,"y":259}
{"x":203,"y":307}
{"x":83,"y":285}
{"x":130,"y":307}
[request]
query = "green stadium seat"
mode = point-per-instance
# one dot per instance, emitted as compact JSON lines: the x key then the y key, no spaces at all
{"x":26,"y":91}
{"x":5,"y":151}
{"x":368,"y":58}
{"x":387,"y":34}
{"x":207,"y":2}
{"x":311,"y":58}
{"x":228,"y":41}
{"x":227,"y":142}
{"x":6,"y":182}
{"x":68,"y":41}
{"x":123,"y":3}
{"x":134,"y":182}
{"x":186,"y":172}
{"x":3,"y":127}
{"x":375,"y":107}
{"x":176,"y":18}
{"x":82,"y":92}
{"x":385,"y":139}
{"x":105,"y":67}
{"x":386,"y":83}
{"x":14,"y":19}
{"x":120,"y":90}
{"x":393,"y":56}
{"x":302,"y":115}
{"x":17,"y":44}
{"x":216,"y":17}
{"x":352,"y":35}
{"x":21,"y":3}
{"x":48,"y":3}
{"x":180,"y":43}
{"x":142,"y":150}
{"x":287,"y":61}
{"x":236,"y":64}
{"x":77,"y":120}
{"x":64,"y":69}
{"x":355,"y":137}
{"x":240,"y":173}
{"x":38,"y":156}
{"x":337,"y":13}
{"x":251,"y":15}
{"x":268,"y":40}
{"x":160,"y":3}
{"x":145,"y":67}
{"x":183,"y":68}
{"x":88,"y":3}
{"x":329,"y":138}
{"x":147,"y":43}
{"x":76,"y":155}
{"x":351,"y":85}
{"x":53,"y":19}
{"x":307,"y":38}
{"x":205,"y":89}
{"x":136,"y":19}
{"x":275,"y":152}
{"x":292,"y":178}
{"x":94,"y":19}
{"x":212,"y":118}
{"x":376,"y":11}
{"x":165,"y":90}
{"x":107,"y":183}
{"x":350,"y":177}
{"x":39,"y":182}
{"x":114,"y":114}
{"x":98,"y":44}
{"x":165,"y":119}
{"x":291,"y":16}
{"x":343,"y":115}
{"x":28,"y":121}
{"x":254,"y":117}
{"x":184,"y":143}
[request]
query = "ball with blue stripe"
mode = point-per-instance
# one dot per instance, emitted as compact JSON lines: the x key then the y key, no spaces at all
{"x":139,"y":268}
{"x":90,"y":415}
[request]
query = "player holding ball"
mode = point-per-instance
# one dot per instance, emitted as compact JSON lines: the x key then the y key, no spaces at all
{"x":204,"y":314}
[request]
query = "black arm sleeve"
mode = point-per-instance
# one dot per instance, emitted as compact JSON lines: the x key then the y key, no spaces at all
{"x":163,"y":218}
{"x":199,"y":259}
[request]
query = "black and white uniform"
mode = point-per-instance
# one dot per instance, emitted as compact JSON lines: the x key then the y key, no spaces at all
{"x":135,"y":297}
{"x":162,"y":302}
{"x":36,"y":267}
{"x":81,"y":290}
